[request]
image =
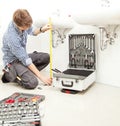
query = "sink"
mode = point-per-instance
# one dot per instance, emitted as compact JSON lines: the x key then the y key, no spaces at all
{"x":95,"y":12}
{"x":57,"y":22}
{"x":100,"y":16}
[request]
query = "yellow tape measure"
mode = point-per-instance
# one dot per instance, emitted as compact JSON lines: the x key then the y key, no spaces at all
{"x":50,"y":47}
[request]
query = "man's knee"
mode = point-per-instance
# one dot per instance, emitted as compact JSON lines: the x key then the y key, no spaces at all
{"x":47,"y":58}
{"x":31,"y":84}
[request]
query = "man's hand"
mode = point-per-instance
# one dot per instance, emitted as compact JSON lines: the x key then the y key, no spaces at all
{"x":46,"y":27}
{"x":42,"y":29}
{"x":45,"y":80}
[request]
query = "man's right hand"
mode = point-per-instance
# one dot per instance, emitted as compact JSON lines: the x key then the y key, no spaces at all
{"x":45,"y":80}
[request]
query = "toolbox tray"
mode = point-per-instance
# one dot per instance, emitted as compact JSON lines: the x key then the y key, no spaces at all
{"x":21,"y":109}
{"x":77,"y":72}
{"x":24,"y":97}
{"x":73,"y":74}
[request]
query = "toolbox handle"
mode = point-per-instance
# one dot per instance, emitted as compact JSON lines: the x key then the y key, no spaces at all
{"x":67,"y":85}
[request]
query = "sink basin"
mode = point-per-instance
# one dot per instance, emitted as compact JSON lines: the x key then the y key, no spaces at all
{"x":100,"y":16}
{"x":94,"y":12}
{"x":57,"y":22}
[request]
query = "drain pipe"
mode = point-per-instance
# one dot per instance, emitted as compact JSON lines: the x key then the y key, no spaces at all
{"x":103,"y":44}
{"x":111,"y":36}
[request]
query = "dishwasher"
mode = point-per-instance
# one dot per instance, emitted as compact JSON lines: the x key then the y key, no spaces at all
{"x":81,"y":71}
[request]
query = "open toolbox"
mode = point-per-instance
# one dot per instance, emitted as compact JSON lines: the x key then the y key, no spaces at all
{"x":21,"y":109}
{"x":82,"y":64}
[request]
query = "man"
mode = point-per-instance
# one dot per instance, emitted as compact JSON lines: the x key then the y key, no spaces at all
{"x":19,"y":66}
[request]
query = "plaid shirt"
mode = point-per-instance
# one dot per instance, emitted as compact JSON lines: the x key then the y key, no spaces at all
{"x":14,"y":45}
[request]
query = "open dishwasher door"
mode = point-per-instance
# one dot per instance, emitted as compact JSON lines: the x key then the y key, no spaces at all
{"x":82,"y":64}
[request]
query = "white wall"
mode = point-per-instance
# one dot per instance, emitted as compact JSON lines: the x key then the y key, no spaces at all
{"x":109,"y":64}
{"x":108,"y":61}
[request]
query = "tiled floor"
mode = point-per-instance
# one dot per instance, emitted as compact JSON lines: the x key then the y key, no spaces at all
{"x":97,"y":106}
